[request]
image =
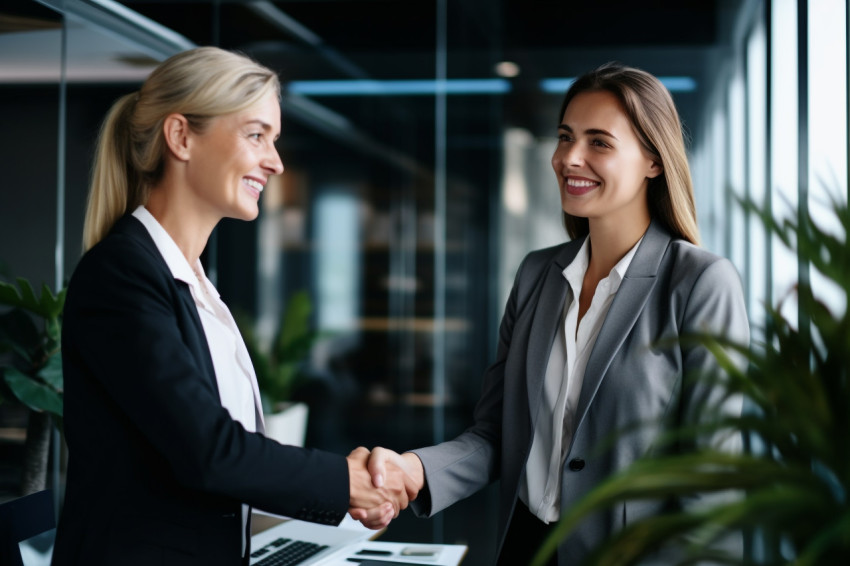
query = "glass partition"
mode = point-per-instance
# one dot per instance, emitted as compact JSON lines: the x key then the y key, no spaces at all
{"x":31,"y":98}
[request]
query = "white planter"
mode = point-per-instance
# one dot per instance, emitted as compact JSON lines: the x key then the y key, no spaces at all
{"x":289,"y":425}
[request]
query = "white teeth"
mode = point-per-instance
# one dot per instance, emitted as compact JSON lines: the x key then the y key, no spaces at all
{"x":256,"y":184}
{"x":580,"y":183}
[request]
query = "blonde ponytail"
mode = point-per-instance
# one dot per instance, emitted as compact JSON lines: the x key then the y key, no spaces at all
{"x":112,"y":173}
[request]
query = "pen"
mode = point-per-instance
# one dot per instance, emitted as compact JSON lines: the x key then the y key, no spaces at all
{"x":371,"y":552}
{"x":374,"y":562}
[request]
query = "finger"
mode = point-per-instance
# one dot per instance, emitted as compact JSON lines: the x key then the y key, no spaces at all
{"x":376,"y":518}
{"x":358,"y":514}
{"x":359,"y":453}
{"x":377,"y":465}
{"x":385,"y":518}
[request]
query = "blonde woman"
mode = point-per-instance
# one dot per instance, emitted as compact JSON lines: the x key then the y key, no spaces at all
{"x":162,"y":412}
{"x":582,"y":352}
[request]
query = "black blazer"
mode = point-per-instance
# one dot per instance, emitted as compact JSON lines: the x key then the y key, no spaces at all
{"x":157,"y":468}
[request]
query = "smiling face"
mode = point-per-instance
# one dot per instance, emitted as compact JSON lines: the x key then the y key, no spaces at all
{"x":602,"y":169}
{"x":230,"y":162}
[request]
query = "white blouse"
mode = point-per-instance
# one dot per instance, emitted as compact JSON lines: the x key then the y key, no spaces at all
{"x":573,"y":342}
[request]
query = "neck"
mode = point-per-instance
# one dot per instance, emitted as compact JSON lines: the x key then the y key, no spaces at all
{"x":187,"y":226}
{"x":609,"y":243}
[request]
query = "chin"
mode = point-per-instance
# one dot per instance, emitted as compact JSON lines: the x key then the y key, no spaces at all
{"x":573,"y":210}
{"x":247,"y":214}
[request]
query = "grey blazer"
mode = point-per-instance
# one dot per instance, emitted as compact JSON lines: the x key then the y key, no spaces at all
{"x":671,"y":288}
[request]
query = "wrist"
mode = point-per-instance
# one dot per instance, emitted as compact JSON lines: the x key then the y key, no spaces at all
{"x":414,"y":469}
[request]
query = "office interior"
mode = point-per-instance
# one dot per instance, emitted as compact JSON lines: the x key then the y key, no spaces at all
{"x":416,"y":139}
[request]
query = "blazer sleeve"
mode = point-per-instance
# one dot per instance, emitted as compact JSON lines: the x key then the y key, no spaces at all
{"x":123,"y":327}
{"x":460,"y":467}
{"x":715,"y":307}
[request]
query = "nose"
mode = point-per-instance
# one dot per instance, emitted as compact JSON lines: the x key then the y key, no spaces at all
{"x":568,"y":155}
{"x":272,"y":162}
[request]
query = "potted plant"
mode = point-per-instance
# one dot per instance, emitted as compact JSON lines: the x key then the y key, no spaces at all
{"x":31,"y":369}
{"x":280,"y":368}
{"x":797,"y":475}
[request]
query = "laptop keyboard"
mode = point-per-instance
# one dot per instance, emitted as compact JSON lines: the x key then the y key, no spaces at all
{"x":281,"y":553}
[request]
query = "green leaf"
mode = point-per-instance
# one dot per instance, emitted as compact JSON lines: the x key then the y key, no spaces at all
{"x":28,"y":300}
{"x":51,"y":373}
{"x":50,"y":304}
{"x":9,"y":295}
{"x":34,"y":395}
{"x":294,"y":327}
{"x":279,"y":368}
{"x":18,"y":330}
{"x":47,"y":306}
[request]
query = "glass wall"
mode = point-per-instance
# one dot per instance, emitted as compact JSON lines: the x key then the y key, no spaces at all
{"x":31,"y":141}
{"x":793,"y":57}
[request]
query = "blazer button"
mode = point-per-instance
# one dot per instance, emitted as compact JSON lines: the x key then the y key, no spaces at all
{"x":576,"y":464}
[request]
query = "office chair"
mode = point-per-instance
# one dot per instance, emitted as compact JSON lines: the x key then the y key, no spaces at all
{"x":22,"y":519}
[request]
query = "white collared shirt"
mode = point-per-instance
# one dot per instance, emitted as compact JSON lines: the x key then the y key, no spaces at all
{"x":234,"y":372}
{"x":571,"y":347}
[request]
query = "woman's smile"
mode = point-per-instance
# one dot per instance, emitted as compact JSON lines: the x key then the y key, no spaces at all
{"x":578,"y":186}
{"x":254,"y":186}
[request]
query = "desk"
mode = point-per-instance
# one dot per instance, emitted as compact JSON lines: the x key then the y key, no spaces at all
{"x":264,"y":525}
{"x":445,"y":554}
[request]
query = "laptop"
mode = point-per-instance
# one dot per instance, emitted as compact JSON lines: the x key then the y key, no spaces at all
{"x":301,"y":543}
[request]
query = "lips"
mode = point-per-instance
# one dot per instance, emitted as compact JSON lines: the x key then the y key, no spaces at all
{"x":254,"y":186}
{"x":578,"y":186}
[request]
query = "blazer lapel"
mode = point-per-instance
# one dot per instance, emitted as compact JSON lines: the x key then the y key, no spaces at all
{"x":133,"y":228}
{"x":201,"y":348}
{"x":625,"y":309}
{"x":547,"y":314}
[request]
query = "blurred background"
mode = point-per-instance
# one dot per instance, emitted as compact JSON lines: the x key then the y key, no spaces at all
{"x":416,"y":139}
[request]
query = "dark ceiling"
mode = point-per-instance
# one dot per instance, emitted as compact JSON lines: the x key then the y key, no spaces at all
{"x":367,"y":25}
{"x":384,"y":30}
{"x":396,"y":39}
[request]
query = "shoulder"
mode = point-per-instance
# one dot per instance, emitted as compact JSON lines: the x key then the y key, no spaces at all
{"x":705,"y":285}
{"x":692,"y":262}
{"x":539,"y":260}
{"x":126,"y":258}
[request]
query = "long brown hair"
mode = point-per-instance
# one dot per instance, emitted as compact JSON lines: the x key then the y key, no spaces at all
{"x":201,"y":84}
{"x":655,"y":121}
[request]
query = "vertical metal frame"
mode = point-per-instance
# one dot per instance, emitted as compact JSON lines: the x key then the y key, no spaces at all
{"x":59,"y":250}
{"x":768,"y":154}
{"x":438,"y":383}
{"x":803,"y":275}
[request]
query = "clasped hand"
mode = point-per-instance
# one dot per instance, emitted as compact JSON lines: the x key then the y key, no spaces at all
{"x":382,"y":482}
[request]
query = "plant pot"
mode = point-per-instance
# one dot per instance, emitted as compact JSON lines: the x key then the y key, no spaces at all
{"x":288,"y":425}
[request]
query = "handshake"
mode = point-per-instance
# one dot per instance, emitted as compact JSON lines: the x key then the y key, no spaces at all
{"x":382,"y":483}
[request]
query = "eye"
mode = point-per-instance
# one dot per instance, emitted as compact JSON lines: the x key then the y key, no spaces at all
{"x":255,"y":136}
{"x":565,"y":137}
{"x":599,"y":143}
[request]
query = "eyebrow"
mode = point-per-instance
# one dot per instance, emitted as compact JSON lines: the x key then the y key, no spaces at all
{"x":591,"y":131}
{"x":264,"y":125}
